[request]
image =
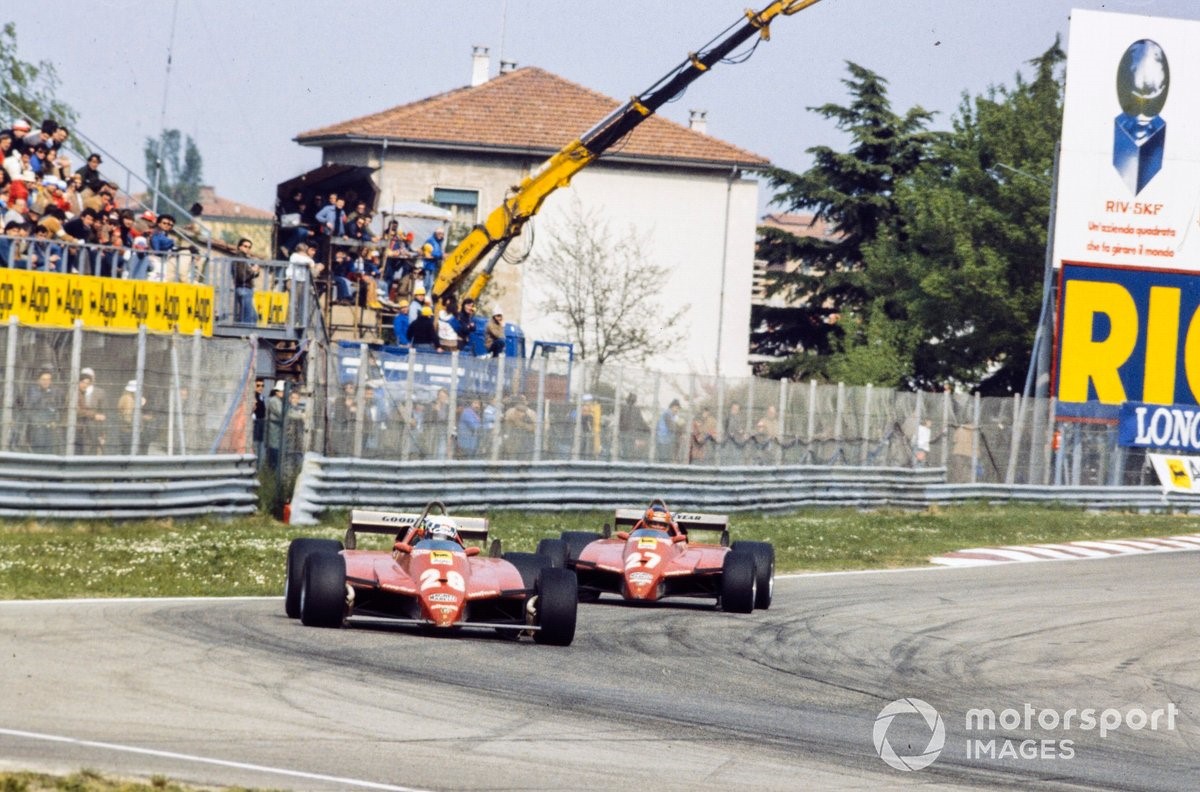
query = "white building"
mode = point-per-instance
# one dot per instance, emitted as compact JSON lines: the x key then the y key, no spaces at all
{"x":684,"y":191}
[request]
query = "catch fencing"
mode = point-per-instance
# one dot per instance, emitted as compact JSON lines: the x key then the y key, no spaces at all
{"x":411,"y":406}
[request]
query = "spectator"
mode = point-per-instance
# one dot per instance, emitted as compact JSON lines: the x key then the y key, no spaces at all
{"x":340,"y":272}
{"x":422,"y":333}
{"x":400,"y":323}
{"x":332,"y":219}
{"x":260,"y":418}
{"x":437,"y":253}
{"x":375,"y":425}
{"x":924,"y":439}
{"x":464,"y":323}
{"x":345,"y":412}
{"x":274,"y":431}
{"x":245,"y":273}
{"x":140,"y":266}
{"x":83,"y":226}
{"x":668,"y":431}
{"x":407,"y":283}
{"x":161,"y":240}
{"x":293,"y":435}
{"x":520,"y":424}
{"x":493,"y":334}
{"x":396,"y":254}
{"x":470,"y":427}
{"x":704,"y":433}
{"x":43,"y":412}
{"x":299,"y":268}
{"x":18,"y":212}
{"x":447,"y":333}
{"x":429,"y":266}
{"x":74,"y":195}
{"x":90,"y":436}
{"x":633,"y":429}
{"x":90,"y":171}
{"x":292,"y":230}
{"x":12,"y":245}
{"x":735,"y":431}
{"x":766,"y":432}
{"x":437,"y":421}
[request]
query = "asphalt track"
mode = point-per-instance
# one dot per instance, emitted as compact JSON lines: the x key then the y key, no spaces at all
{"x":229,"y":692}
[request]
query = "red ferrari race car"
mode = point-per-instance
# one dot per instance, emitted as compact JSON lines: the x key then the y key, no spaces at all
{"x":429,"y":578}
{"x":653,"y":556}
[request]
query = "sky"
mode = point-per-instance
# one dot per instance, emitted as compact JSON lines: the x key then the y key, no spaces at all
{"x":246,"y":77}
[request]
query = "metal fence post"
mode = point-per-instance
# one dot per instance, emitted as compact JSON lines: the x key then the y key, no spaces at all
{"x":809,"y":452}
{"x":975,"y":430}
{"x":360,"y":399}
{"x":136,"y":433}
{"x":720,"y":437}
{"x":452,"y":415}
{"x":72,"y":386}
{"x":1014,"y":445}
{"x":193,"y":426}
{"x":837,"y":422}
{"x":783,"y":394}
{"x":539,"y":433}
{"x":409,"y":422}
{"x":176,"y":418}
{"x":946,"y":395}
{"x":915,"y":445}
{"x":751,"y":427}
{"x":498,"y":400}
{"x":577,"y":424}
{"x":654,"y":418}
{"x":10,"y":385}
{"x":866,"y":425}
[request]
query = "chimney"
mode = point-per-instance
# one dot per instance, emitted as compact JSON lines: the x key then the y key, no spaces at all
{"x":480,"y":64}
{"x":698,"y":121}
{"x":506,"y":66}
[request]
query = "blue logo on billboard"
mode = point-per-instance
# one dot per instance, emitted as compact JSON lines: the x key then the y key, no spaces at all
{"x":1140,"y":133}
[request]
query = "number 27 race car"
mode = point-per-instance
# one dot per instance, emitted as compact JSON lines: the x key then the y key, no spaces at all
{"x":429,"y":578}
{"x":653,"y":556}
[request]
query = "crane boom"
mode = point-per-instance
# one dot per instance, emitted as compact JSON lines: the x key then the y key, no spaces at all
{"x":523,"y":201}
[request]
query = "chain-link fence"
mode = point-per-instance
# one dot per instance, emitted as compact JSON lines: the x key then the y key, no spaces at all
{"x":410,"y":405}
{"x":76,"y":392}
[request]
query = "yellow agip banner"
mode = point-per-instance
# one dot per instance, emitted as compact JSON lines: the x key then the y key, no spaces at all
{"x":48,"y":299}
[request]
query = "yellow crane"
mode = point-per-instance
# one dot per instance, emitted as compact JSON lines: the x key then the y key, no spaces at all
{"x":523,"y":201}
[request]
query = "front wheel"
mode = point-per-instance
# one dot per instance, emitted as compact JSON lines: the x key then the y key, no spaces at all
{"x":576,"y":541}
{"x":323,"y":591}
{"x":557,"y":605}
{"x":738,"y":582}
{"x":764,"y":563}
{"x":298,"y":552}
{"x":554,"y":549}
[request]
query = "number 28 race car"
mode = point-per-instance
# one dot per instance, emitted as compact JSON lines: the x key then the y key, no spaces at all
{"x":653,"y":556}
{"x":429,"y":578}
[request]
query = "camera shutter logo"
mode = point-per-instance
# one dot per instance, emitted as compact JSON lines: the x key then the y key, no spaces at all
{"x":937,"y":737}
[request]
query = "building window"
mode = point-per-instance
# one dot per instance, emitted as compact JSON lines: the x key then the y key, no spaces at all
{"x":463,"y":203}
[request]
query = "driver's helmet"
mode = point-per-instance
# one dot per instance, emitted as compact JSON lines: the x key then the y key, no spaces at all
{"x":658,"y":518}
{"x":441,"y":527}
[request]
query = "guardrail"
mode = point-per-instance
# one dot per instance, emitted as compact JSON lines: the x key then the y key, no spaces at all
{"x":327,"y":483}
{"x":122,"y":488}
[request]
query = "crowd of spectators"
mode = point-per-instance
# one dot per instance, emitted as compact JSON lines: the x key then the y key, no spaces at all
{"x":50,"y":211}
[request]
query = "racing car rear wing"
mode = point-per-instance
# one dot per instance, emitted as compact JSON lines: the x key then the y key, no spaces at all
{"x":397,"y":524}
{"x":687,"y":521}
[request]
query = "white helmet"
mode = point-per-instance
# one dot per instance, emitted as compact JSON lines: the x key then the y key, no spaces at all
{"x":441,"y":527}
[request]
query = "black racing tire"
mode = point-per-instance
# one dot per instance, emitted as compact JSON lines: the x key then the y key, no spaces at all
{"x":323,"y":591}
{"x":738,"y":582}
{"x":554,"y":549}
{"x":298,"y":552}
{"x":576,"y":541}
{"x":764,"y":563}
{"x":529,"y":565}
{"x":557,"y":606}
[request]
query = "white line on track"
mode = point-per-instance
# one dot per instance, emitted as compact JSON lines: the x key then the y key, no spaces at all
{"x":340,"y":781}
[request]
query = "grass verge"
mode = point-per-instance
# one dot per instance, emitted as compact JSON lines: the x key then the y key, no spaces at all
{"x":227,"y":557}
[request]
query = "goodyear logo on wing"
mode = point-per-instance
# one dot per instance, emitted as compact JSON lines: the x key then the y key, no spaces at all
{"x":1126,"y":335}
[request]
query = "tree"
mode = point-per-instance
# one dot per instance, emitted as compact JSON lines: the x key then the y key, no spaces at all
{"x":855,"y":193}
{"x":177,"y":180}
{"x":601,"y":287}
{"x":31,"y":88}
{"x":963,"y":288}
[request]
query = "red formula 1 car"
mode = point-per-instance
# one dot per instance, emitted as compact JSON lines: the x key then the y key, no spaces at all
{"x":429,"y":578}
{"x":653,"y":556}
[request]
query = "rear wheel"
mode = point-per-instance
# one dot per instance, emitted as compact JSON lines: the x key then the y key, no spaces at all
{"x":738,"y":582}
{"x":529,"y":565}
{"x":554,"y":549}
{"x":764,"y":563}
{"x":557,"y":605}
{"x":298,"y":552}
{"x":576,"y":541}
{"x":323,"y":591}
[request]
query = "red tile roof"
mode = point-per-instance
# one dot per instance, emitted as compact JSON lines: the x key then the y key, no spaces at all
{"x":527,"y":110}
